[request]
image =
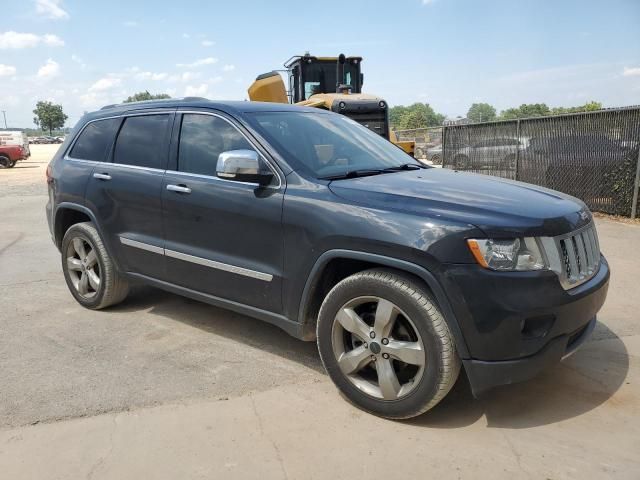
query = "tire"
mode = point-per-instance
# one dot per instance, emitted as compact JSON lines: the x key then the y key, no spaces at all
{"x":416,"y":318}
{"x":5,"y":161}
{"x":509,"y":162}
{"x":461,"y":162}
{"x":13,"y":164}
{"x":81,"y":271}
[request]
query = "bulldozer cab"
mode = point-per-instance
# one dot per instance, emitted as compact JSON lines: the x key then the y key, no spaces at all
{"x":309,"y":75}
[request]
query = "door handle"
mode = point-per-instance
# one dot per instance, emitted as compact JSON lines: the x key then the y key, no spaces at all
{"x":178,"y":188}
{"x":102,"y":176}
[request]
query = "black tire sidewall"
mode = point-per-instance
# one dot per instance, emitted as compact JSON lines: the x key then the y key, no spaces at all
{"x":428,"y":386}
{"x":80,"y":231}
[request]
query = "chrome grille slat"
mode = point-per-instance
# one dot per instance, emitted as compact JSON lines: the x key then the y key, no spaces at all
{"x":582,"y":255}
{"x":579,"y":253}
{"x":588,"y":250}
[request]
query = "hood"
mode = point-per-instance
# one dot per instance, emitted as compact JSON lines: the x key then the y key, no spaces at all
{"x":497,"y":206}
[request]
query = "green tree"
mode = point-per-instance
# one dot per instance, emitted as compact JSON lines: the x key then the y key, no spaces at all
{"x":140,"y":96}
{"x":526,"y":110}
{"x":49,"y":116}
{"x":418,"y":115}
{"x":481,"y":112}
{"x":587,"y":107}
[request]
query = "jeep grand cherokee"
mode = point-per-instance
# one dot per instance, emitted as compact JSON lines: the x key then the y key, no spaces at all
{"x":307,"y":220}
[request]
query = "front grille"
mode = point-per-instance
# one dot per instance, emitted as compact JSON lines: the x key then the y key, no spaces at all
{"x":579,"y":256}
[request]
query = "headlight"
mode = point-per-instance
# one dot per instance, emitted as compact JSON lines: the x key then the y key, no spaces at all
{"x":513,"y":254}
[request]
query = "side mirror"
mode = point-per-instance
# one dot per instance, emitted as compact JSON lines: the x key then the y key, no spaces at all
{"x":242,"y":166}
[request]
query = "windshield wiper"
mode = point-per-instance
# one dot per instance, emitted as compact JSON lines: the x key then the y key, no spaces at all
{"x":363,"y":172}
{"x":405,"y":166}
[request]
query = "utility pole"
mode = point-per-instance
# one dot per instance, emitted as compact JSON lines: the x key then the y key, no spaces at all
{"x":4,"y":114}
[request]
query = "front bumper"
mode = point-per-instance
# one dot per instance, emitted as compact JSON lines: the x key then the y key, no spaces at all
{"x":516,"y":324}
{"x":485,"y":375}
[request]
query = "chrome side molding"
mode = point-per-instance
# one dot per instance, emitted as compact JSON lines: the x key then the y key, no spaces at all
{"x":246,"y":272}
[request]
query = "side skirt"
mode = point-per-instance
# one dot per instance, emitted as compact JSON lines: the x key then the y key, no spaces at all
{"x":292,"y":328}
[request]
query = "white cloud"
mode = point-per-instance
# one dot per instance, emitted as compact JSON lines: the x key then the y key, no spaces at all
{"x":631,"y":71}
{"x":208,"y":43}
{"x":150,"y":76}
{"x":106,"y":83}
{"x":427,"y":2}
{"x":130,"y":23}
{"x":188,"y":76}
{"x":228,"y":68}
{"x":51,"y":9}
{"x":15,"y":40}
{"x":75,"y":58}
{"x":49,"y":69}
{"x":52,"y":40}
{"x":186,"y":35}
{"x":7,"y":70}
{"x":199,"y":63}
{"x":201,"y":90}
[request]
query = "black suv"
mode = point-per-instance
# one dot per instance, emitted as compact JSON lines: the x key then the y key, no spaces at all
{"x":307,"y":220}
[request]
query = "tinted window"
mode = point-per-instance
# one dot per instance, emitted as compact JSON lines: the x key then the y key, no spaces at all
{"x":95,"y":139}
{"x":202,"y":139}
{"x":141,"y":141}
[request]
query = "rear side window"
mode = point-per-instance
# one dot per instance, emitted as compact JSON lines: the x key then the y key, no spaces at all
{"x":95,"y":139}
{"x":141,"y":141}
{"x":202,"y":139}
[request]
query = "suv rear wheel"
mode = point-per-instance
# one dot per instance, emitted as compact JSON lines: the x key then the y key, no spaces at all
{"x":385,"y":344}
{"x":88,"y":270}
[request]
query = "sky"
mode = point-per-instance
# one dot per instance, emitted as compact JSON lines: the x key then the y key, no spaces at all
{"x":448,"y":53}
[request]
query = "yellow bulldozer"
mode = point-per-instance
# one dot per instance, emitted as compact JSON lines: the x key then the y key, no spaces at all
{"x":330,"y":83}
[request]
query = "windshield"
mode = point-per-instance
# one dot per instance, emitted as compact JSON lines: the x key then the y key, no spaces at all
{"x":320,"y":77}
{"x":327,"y":145}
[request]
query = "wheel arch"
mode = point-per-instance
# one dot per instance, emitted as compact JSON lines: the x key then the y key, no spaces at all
{"x":67,"y":214}
{"x":357,"y":261}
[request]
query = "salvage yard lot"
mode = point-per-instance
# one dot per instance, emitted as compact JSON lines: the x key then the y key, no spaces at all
{"x":165,"y":387}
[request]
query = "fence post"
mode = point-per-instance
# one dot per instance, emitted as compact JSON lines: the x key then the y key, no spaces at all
{"x":636,"y":185}
{"x":517,"y":147}
{"x":444,"y":143}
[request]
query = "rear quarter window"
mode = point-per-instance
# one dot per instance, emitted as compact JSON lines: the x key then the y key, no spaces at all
{"x":95,"y":139}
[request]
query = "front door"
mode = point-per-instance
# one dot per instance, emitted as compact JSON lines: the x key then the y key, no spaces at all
{"x":222,"y":237}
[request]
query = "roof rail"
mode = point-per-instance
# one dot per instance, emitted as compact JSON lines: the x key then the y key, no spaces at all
{"x":157,"y":100}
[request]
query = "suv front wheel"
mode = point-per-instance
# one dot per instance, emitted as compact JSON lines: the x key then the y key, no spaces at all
{"x":385,"y":344}
{"x":88,"y":270}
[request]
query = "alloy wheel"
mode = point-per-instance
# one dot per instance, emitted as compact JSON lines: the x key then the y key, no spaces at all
{"x":378,"y":348}
{"x":83,"y":267}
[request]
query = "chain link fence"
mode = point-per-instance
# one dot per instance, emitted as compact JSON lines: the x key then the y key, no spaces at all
{"x":428,"y":142}
{"x":593,"y":156}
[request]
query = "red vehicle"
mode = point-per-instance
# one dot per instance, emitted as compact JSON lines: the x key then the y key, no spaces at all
{"x":11,"y":154}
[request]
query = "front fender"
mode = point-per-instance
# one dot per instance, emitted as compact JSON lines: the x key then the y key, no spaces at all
{"x":402,"y":265}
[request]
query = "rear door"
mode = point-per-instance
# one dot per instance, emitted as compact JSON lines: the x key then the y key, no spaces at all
{"x":89,"y":148}
{"x":126,"y":192}
{"x":223,"y":237}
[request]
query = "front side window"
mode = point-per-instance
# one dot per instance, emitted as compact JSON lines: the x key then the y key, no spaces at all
{"x":202,"y":139}
{"x":325,"y":144}
{"x":141,"y":141}
{"x":95,"y":139}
